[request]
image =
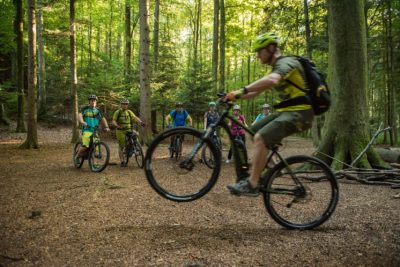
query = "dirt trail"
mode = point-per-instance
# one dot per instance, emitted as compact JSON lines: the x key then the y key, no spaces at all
{"x":55,"y":215}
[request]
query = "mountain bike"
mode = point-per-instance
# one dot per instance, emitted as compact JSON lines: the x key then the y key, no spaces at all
{"x":175,"y":149}
{"x":206,"y":155}
{"x":299,"y":192}
{"x":132,"y":148}
{"x":97,"y":154}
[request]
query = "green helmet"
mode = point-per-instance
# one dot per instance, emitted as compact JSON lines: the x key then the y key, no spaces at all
{"x":264,"y":40}
{"x":212,"y":104}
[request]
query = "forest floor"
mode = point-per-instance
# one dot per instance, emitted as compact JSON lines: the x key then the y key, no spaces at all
{"x":52,"y":214}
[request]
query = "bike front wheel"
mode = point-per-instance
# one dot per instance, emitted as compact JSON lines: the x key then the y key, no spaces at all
{"x":138,"y":152}
{"x":184,"y":178}
{"x":300,"y":193}
{"x":99,"y":157}
{"x":78,"y":161}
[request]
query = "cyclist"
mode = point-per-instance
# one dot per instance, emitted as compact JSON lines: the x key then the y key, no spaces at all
{"x":211,"y":116}
{"x":179,"y":117}
{"x":263,"y":114}
{"x":286,"y":121}
{"x":90,"y":117}
{"x":236,"y":130}
{"x":123,"y":119}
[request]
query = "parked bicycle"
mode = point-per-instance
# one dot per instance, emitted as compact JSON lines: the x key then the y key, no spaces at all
{"x":132,"y":148}
{"x":206,"y":154}
{"x":175,"y":149}
{"x":97,"y":154}
{"x":300,"y":192}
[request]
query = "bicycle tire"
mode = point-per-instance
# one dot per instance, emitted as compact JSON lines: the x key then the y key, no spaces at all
{"x":97,"y":153}
{"x":77,"y":163}
{"x":206,"y":155}
{"x":300,"y":208}
{"x":138,"y":154}
{"x":167,"y":176}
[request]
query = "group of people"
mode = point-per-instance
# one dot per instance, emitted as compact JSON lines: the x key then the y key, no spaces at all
{"x":287,"y":76}
{"x":123,"y":118}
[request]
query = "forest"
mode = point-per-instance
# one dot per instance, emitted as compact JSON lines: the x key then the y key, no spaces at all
{"x":62,"y":208}
{"x":55,"y":53}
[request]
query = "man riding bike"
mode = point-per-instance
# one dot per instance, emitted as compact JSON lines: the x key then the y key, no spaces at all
{"x":286,"y":121}
{"x":90,"y":117}
{"x":123,"y":119}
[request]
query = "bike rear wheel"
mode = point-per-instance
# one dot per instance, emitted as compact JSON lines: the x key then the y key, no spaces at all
{"x":207,"y":156}
{"x":305,"y":202}
{"x":184,"y":178}
{"x":78,"y":161}
{"x":99,"y":157}
{"x":138,"y":154}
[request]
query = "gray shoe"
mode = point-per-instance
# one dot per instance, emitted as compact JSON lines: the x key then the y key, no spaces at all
{"x":243,"y":188}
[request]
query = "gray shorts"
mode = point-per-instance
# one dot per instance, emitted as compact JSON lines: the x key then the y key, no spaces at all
{"x":277,"y":126}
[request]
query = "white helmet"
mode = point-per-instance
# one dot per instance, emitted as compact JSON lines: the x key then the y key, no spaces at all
{"x":236,"y":107}
{"x":265,"y":106}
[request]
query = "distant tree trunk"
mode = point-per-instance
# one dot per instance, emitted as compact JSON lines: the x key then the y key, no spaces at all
{"x":222,"y":48}
{"x":31,"y":138}
{"x":215,"y":46}
{"x":390,"y":84}
{"x":41,"y":61}
{"x":128,"y":43}
{"x":315,"y":131}
{"x":109,"y":39}
{"x":90,"y":33}
{"x":156,"y":33}
{"x":344,"y":139}
{"x":73,"y":77}
{"x":196,"y":31}
{"x":145,"y":93}
{"x":19,"y":31}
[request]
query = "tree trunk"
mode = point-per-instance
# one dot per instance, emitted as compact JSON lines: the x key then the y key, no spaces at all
{"x":128,"y":43}
{"x":73,"y":75}
{"x":31,"y":138}
{"x":215,"y":46}
{"x":156,"y":33}
{"x":347,"y":131}
{"x":145,"y":93}
{"x":222,"y":48}
{"x":19,"y":31}
{"x":41,"y":62}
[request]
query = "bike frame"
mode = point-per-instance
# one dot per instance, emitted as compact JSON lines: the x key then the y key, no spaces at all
{"x":241,"y":169}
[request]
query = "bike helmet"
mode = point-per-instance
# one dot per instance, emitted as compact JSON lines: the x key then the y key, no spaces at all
{"x":265,"y":106}
{"x":212,"y":104}
{"x":92,"y":97}
{"x":124,"y":101}
{"x":178,"y":104}
{"x":236,"y":107}
{"x":264,"y":40}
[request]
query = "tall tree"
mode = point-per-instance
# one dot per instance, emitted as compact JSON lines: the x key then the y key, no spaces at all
{"x":73,"y":74}
{"x":41,"y":60}
{"x":31,"y":138}
{"x":222,"y":47}
{"x":128,"y":42}
{"x":346,"y":138}
{"x":19,"y":31}
{"x":144,"y":76}
{"x":156,"y":33}
{"x":215,"y":46}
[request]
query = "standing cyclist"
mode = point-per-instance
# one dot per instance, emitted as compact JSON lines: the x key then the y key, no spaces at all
{"x":286,"y":121}
{"x":263,"y":114}
{"x":90,"y":117}
{"x":211,"y":116}
{"x":178,"y":116}
{"x":236,"y":130}
{"x":123,"y":119}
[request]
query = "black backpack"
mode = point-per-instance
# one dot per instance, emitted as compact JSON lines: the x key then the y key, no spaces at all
{"x":318,"y":95}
